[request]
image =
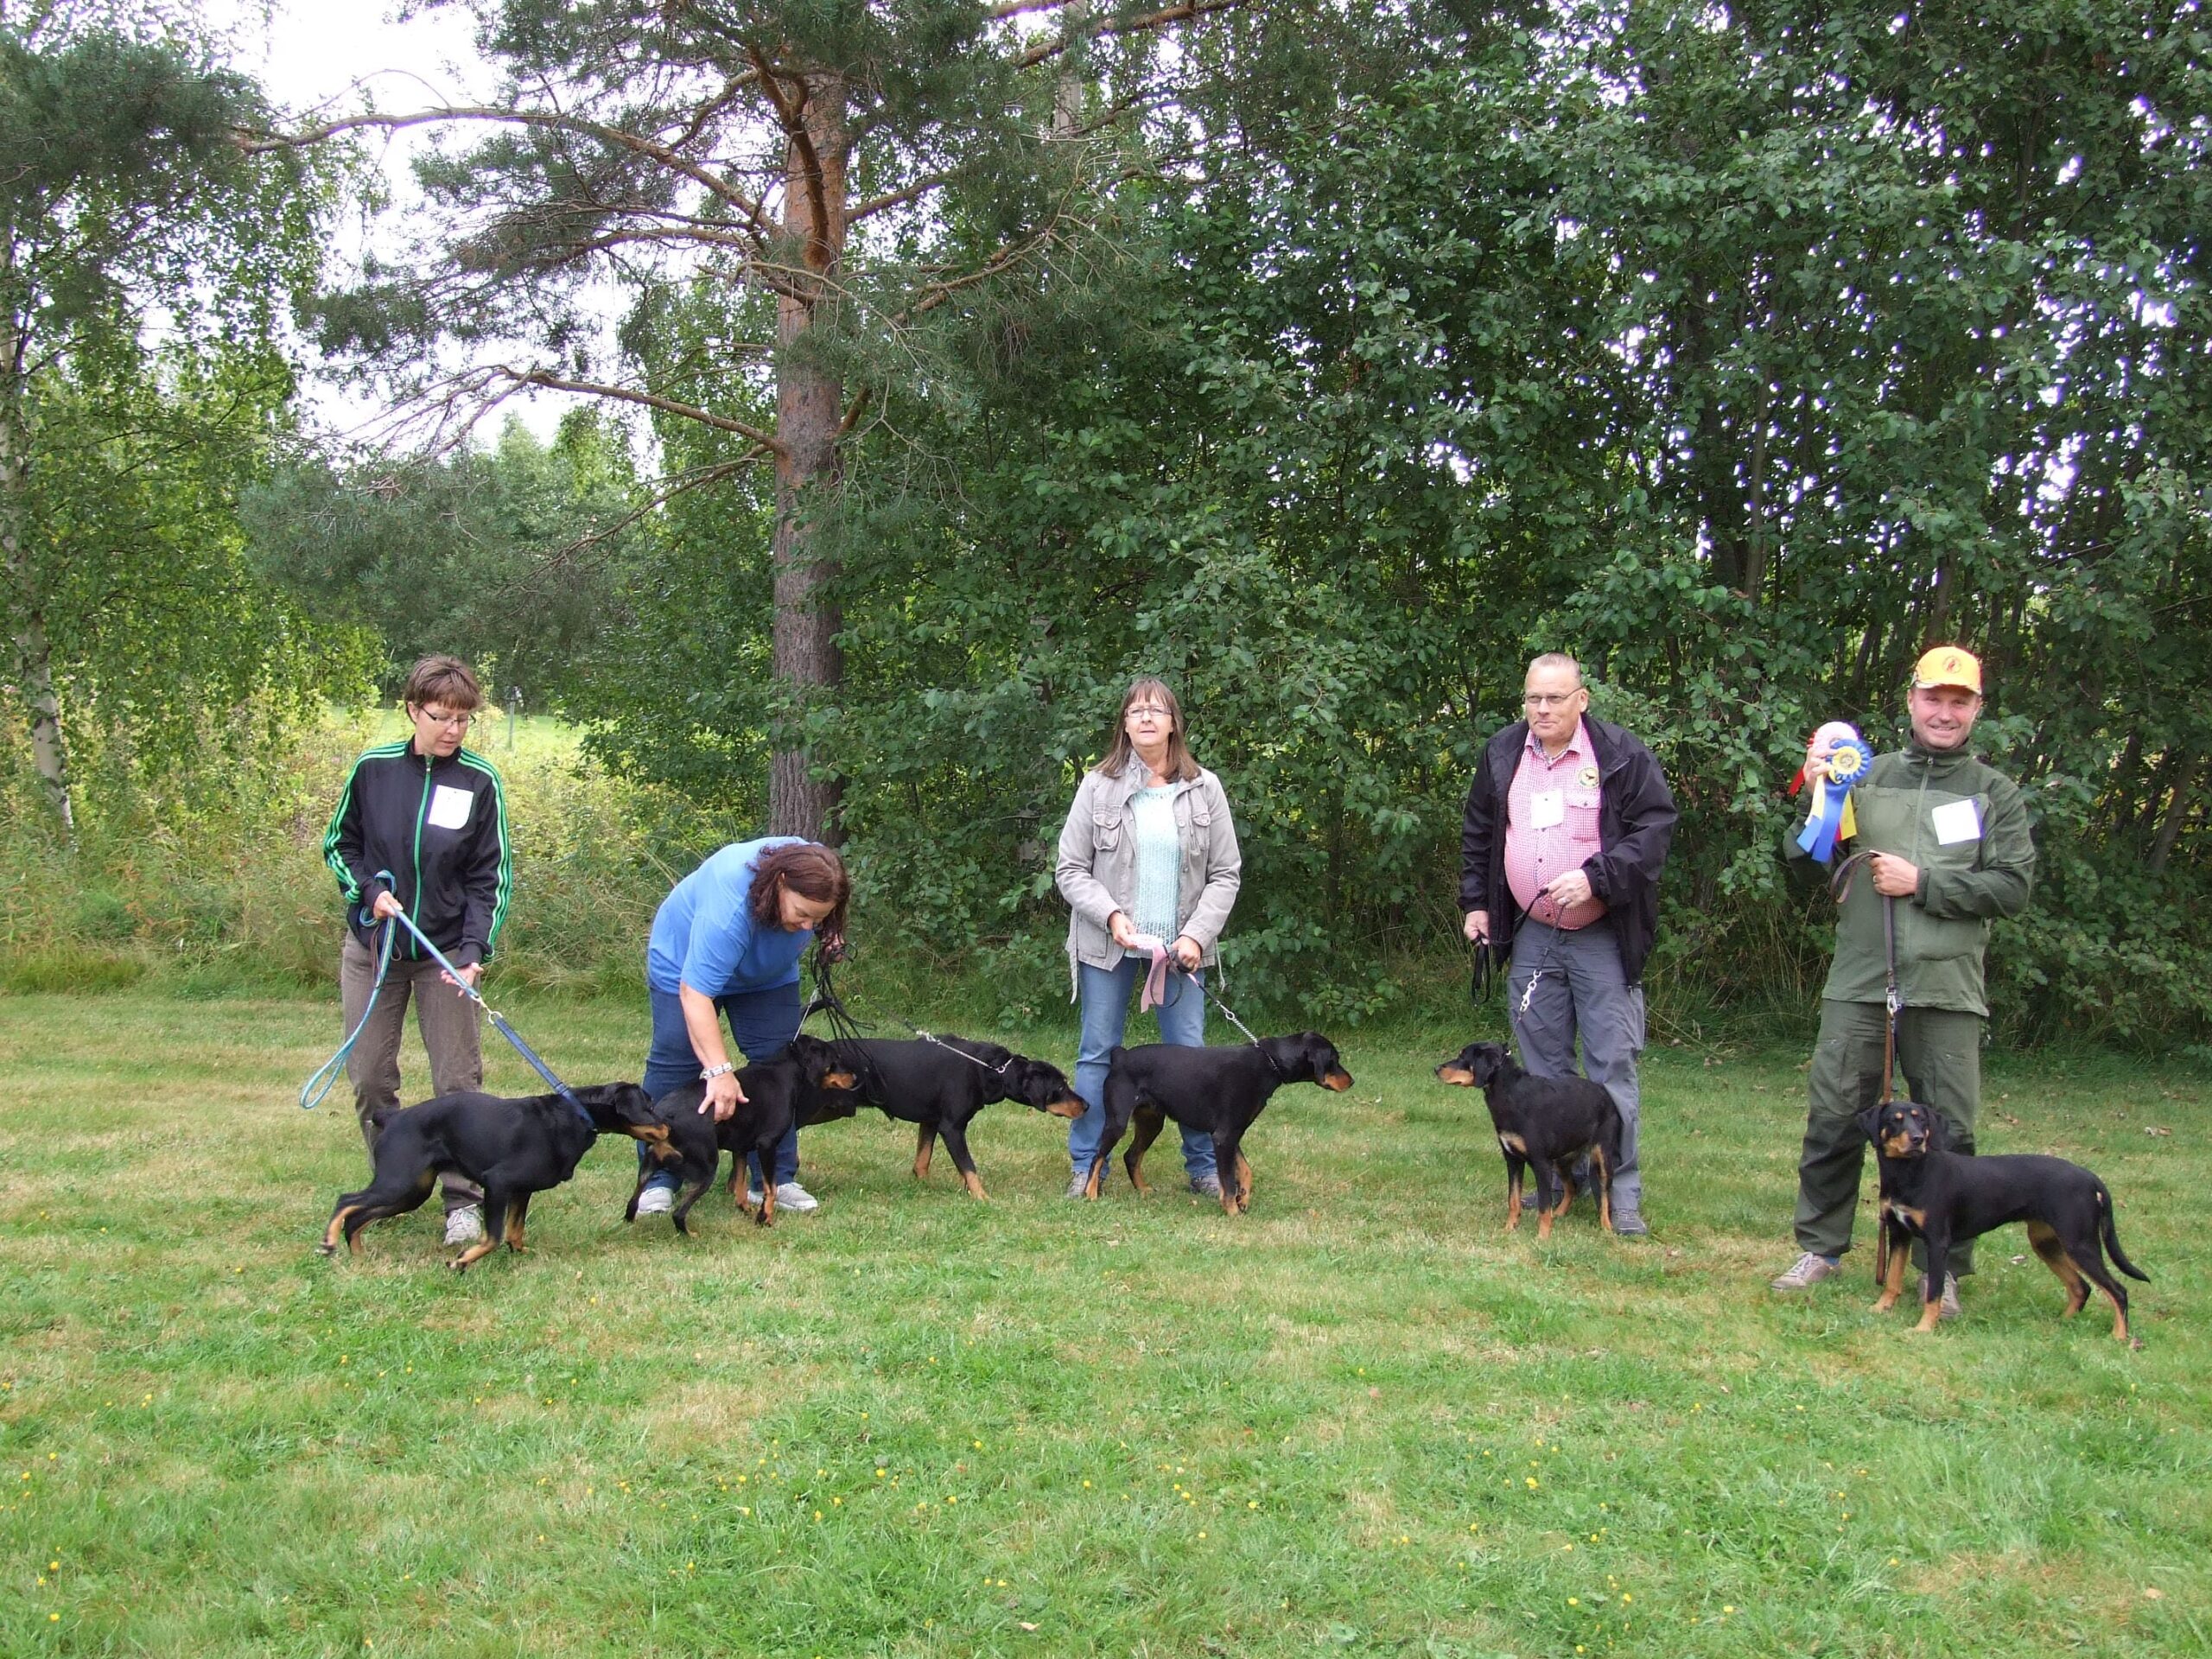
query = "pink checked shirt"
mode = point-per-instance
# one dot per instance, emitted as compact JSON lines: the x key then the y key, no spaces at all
{"x":1534,"y":855}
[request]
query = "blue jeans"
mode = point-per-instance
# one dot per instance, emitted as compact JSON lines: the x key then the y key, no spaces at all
{"x":1104,"y":994}
{"x":763,"y":1024}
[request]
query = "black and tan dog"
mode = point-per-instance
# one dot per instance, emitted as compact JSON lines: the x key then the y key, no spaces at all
{"x":1939,"y":1196}
{"x":1551,"y":1123}
{"x":940,"y":1086}
{"x":511,"y":1149}
{"x":1217,"y":1091}
{"x":806,"y":1083}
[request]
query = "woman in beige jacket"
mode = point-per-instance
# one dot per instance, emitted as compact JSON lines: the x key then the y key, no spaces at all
{"x":1149,"y":853}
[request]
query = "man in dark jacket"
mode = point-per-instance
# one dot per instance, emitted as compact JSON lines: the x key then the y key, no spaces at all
{"x":421,"y":829}
{"x":1951,"y":851}
{"x":1566,"y":833}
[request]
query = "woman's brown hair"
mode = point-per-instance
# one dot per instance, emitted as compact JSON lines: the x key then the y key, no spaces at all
{"x":445,"y":680}
{"x":1179,"y":766}
{"x":812,"y":871}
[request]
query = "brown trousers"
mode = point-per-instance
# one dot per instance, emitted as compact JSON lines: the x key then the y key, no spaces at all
{"x":451,"y":1031}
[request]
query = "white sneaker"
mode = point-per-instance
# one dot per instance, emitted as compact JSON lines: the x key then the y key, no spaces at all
{"x":656,"y":1201}
{"x":789,"y":1195}
{"x":464,"y":1225}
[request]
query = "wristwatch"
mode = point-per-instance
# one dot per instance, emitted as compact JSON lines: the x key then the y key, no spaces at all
{"x":714,"y":1071}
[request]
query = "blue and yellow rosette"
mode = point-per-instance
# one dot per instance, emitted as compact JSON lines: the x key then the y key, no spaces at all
{"x":1830,"y":818}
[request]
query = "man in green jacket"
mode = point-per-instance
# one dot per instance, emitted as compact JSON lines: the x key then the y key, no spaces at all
{"x":1951,"y":851}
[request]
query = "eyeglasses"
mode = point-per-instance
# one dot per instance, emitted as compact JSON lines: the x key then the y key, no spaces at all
{"x":1540,"y":703}
{"x":1154,"y":709}
{"x":451,"y":723}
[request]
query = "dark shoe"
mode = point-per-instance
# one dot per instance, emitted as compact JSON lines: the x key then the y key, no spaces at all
{"x":1207,"y":1186}
{"x":1630,"y":1224}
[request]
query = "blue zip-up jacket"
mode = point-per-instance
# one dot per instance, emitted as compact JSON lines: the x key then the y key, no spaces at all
{"x":440,"y":828}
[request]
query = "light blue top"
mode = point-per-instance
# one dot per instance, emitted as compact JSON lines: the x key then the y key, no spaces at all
{"x":1158,"y":862}
{"x":704,"y":936}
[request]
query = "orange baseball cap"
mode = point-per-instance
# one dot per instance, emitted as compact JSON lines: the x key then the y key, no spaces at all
{"x":1948,"y":665}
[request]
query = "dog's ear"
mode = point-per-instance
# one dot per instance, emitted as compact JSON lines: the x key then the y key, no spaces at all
{"x":1940,"y":1138}
{"x":1489,"y":1058}
{"x":1870,"y":1123}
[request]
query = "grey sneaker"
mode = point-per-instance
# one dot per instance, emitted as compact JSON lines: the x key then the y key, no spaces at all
{"x":1630,"y":1224}
{"x":1079,"y":1183}
{"x":1207,"y":1186}
{"x":789,"y":1195}
{"x":1949,"y":1310}
{"x":656,"y":1201}
{"x":1809,"y":1270}
{"x":464,"y":1225}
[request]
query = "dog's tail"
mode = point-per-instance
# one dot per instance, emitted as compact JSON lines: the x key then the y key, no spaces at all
{"x":2112,"y":1238}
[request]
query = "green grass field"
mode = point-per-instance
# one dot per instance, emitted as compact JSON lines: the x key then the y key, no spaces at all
{"x":1358,"y":1420}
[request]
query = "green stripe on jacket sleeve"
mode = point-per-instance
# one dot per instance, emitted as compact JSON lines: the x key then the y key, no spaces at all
{"x":505,"y":888}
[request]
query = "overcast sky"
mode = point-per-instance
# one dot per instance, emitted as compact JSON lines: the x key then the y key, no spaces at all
{"x":320,"y":59}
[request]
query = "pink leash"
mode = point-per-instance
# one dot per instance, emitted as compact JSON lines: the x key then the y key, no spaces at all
{"x":1155,"y":979}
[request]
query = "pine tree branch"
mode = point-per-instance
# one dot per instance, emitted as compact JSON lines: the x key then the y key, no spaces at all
{"x":613,"y":138}
{"x":1186,"y":12}
{"x":553,"y":382}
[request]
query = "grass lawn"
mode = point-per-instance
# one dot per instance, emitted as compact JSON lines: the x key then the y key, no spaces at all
{"x":1359,"y":1419}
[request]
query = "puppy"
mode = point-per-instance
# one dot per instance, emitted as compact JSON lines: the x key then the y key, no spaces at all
{"x":806,"y":1083}
{"x":511,"y":1149}
{"x":1549,"y":1122}
{"x":1220,"y":1091}
{"x":1938,"y":1196}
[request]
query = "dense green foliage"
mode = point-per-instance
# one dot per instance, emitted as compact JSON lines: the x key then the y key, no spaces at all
{"x":1742,"y":351}
{"x":514,"y":557}
{"x":1744,"y":355}
{"x":147,"y":266}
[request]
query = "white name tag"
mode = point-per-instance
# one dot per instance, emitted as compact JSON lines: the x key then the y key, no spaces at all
{"x":1955,"y":822}
{"x":449,"y":807}
{"x":1547,"y":807}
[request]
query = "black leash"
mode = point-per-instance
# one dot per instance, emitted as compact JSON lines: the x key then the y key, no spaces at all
{"x":1228,"y":1014}
{"x":1893,"y":999}
{"x":1893,"y":996}
{"x":1488,"y":970}
{"x":845,"y":1029}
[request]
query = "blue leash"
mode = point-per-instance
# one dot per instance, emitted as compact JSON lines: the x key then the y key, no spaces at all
{"x":498,"y":1021}
{"x":328,"y":1073}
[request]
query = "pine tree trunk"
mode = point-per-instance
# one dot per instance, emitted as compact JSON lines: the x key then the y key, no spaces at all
{"x":810,"y":410}
{"x":32,"y":658}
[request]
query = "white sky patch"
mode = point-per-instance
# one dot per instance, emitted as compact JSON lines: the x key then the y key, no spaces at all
{"x":318,"y":60}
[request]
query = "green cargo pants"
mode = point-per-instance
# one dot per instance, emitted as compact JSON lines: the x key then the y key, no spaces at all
{"x":1939,"y":1064}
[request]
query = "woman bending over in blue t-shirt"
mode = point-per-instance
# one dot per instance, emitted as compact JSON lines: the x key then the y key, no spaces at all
{"x":726,"y":944}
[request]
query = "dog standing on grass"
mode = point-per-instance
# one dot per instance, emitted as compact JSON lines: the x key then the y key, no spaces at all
{"x":1217,"y":1091}
{"x":1551,"y":1124}
{"x":807,"y":1083}
{"x":1932,"y":1194}
{"x":939,"y":1085}
{"x":513,"y":1148}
